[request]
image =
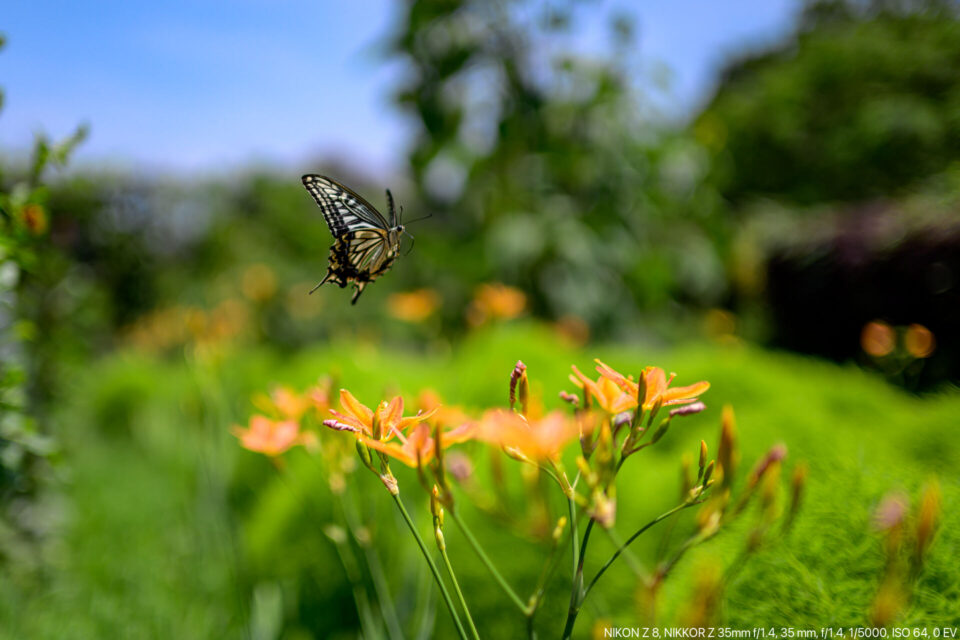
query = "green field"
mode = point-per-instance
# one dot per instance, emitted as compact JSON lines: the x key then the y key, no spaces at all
{"x":174,"y":531}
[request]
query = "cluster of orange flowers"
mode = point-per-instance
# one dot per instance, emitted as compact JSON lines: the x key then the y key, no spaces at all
{"x":602,"y":410}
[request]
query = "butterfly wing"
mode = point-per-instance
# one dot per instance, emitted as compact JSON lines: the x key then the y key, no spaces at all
{"x":362,"y":250}
{"x":342,"y":209}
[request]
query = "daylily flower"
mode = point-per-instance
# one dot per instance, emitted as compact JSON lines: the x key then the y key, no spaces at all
{"x":605,"y":392}
{"x":419,"y":448}
{"x":539,"y":439}
{"x":270,"y":437}
{"x":657,"y":386}
{"x":384,"y":424}
{"x":495,"y":301}
{"x":448,"y":416}
{"x":284,"y":402}
{"x":413,"y":306}
{"x":385,"y":429}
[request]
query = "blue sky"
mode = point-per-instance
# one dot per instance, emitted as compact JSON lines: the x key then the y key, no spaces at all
{"x":207,"y":85}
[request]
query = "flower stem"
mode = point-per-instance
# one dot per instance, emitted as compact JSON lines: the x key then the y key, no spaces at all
{"x":577,"y":594}
{"x":375,"y":567}
{"x":432,"y":565}
{"x":574,"y":536}
{"x":624,"y":546}
{"x":486,"y":561}
{"x":456,"y":587}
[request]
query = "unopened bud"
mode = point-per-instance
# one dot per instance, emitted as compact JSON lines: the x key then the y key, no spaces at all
{"x":335,"y":533}
{"x":641,"y":391}
{"x":688,"y":409}
{"x":570,"y":398}
{"x":364,"y":452}
{"x":726,"y":453}
{"x":928,"y":517}
{"x":703,"y":459}
{"x":518,"y":378}
{"x":558,"y":530}
{"x":658,"y":403}
{"x":661,"y":430}
{"x":707,"y":473}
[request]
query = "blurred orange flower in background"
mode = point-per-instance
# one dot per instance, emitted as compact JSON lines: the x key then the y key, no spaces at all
{"x":919,"y":341}
{"x":413,"y":306}
{"x":495,"y":301}
{"x":271,"y":437}
{"x":284,"y":402}
{"x":540,"y":439}
{"x":259,"y":283}
{"x":878,"y":338}
{"x":35,"y":219}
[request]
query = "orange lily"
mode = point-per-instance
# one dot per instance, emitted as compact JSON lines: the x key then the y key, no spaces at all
{"x":540,"y":439}
{"x":270,"y":437}
{"x":283,"y":401}
{"x":657,"y":386}
{"x":419,"y":447}
{"x":359,"y":418}
{"x":606,"y":392}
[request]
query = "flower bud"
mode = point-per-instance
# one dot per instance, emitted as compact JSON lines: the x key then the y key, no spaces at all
{"x":726,"y":453}
{"x":928,"y":518}
{"x":518,"y":378}
{"x":688,"y":409}
{"x":703,"y":459}
{"x":570,"y":398}
{"x":558,"y":530}
{"x":661,"y":430}
{"x":364,"y":452}
{"x":707,"y":473}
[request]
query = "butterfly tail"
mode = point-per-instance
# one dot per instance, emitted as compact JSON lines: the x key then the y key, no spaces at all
{"x":322,"y":282}
{"x":356,"y":294}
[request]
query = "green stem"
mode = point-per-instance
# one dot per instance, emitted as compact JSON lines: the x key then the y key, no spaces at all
{"x":628,"y":556}
{"x":574,"y":536}
{"x":486,"y":561}
{"x":432,"y":565}
{"x":360,"y":599}
{"x":636,"y":535}
{"x":376,"y":570}
{"x":456,"y":588}
{"x":577,"y":594}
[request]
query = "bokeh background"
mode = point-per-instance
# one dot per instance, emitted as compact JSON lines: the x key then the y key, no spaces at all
{"x":762,"y":194}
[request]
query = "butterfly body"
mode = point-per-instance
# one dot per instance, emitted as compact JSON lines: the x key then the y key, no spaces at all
{"x":365,"y":244}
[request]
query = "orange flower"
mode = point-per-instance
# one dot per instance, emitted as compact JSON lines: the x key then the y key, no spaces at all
{"x":657,"y":386}
{"x":419,"y":447}
{"x":35,"y":219}
{"x":413,"y":306}
{"x":270,"y":437}
{"x":283,"y":402}
{"x":319,"y":396}
{"x":443,"y":415}
{"x":605,"y":392}
{"x":413,"y":449}
{"x":495,"y":301}
{"x":384,"y":424}
{"x":540,"y":439}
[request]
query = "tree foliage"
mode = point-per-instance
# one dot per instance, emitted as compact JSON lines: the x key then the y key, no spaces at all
{"x":863,"y":100}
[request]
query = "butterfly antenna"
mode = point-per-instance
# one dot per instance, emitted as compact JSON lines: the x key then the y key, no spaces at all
{"x":429,"y":215}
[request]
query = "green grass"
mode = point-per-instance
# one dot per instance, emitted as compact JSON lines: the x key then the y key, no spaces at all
{"x":173,"y":531}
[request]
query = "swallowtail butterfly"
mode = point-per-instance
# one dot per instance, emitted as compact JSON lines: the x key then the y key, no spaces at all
{"x":365,"y":244}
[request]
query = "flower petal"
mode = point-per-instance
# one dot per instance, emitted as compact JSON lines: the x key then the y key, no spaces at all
{"x":355,"y":408}
{"x":689,"y":393}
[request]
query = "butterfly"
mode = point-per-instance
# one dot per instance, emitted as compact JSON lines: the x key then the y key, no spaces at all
{"x":365,"y":244}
